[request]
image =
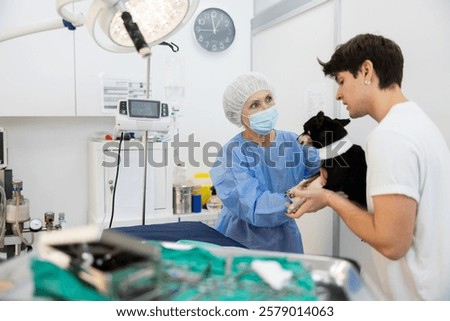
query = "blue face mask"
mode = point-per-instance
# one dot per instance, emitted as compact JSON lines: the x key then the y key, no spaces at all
{"x":264,"y":121}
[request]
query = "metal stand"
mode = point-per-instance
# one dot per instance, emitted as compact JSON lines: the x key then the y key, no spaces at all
{"x":145,"y":142}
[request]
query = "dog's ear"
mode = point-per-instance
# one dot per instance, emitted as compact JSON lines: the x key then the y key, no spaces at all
{"x":320,"y":117}
{"x":343,"y":122}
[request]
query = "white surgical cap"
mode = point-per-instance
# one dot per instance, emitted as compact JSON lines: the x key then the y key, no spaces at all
{"x":237,"y":93}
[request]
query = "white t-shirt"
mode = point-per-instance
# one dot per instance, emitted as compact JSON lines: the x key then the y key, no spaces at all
{"x":407,"y":154}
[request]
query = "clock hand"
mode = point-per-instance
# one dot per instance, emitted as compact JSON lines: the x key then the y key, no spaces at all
{"x":213,"y":24}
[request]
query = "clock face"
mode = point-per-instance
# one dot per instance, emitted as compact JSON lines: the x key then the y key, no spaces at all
{"x":214,"y":30}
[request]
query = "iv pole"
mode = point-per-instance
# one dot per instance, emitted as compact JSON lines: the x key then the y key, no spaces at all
{"x":145,"y":142}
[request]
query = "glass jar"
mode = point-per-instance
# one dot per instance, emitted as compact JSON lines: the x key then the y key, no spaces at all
{"x":214,"y":204}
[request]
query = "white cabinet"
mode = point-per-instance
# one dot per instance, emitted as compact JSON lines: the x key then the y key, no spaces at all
{"x":129,"y":195}
{"x":129,"y":190}
{"x":57,"y":72}
{"x":36,"y":71}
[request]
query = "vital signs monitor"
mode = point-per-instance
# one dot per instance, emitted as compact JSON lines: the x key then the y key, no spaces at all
{"x":142,"y":114}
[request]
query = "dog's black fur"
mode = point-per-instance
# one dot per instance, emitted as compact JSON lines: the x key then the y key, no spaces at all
{"x":346,"y":172}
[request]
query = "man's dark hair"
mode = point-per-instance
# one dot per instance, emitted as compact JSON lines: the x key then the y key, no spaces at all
{"x":385,"y":55}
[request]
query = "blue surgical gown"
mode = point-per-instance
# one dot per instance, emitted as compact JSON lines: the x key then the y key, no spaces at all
{"x":252,"y":181}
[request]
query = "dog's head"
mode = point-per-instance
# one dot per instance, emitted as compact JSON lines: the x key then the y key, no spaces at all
{"x":323,"y":130}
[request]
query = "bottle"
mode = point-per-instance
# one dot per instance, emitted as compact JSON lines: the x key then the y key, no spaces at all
{"x":62,"y":220}
{"x":203,"y":184}
{"x":179,"y":175}
{"x":214,"y":204}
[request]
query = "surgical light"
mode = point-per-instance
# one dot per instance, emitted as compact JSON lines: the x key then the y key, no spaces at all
{"x":119,"y":25}
{"x":155,"y":20}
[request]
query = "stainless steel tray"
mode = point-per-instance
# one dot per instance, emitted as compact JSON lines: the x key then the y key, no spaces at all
{"x":336,"y":279}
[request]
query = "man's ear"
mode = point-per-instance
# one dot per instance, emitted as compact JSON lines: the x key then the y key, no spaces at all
{"x":367,"y":70}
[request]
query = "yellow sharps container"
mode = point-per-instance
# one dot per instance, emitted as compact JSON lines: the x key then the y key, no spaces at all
{"x":203,"y":180}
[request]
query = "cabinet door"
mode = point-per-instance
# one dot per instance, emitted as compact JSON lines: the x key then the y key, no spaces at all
{"x":129,"y":183}
{"x":159,"y":156}
{"x":129,"y":194}
{"x":37,"y":70}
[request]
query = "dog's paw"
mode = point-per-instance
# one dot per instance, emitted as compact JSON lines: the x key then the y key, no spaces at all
{"x":295,"y":204}
{"x":290,"y":193}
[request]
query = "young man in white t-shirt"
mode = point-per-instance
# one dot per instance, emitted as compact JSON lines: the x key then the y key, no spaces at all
{"x":408,"y":177}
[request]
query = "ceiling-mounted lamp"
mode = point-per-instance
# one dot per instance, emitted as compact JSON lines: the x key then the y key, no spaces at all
{"x":120,"y":25}
{"x":156,"y":19}
{"x":128,"y":25}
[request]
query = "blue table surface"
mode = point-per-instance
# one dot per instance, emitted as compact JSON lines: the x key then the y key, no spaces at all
{"x":173,"y":232}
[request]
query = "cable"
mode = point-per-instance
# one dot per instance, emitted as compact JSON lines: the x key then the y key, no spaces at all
{"x":2,"y":214}
{"x":115,"y":181}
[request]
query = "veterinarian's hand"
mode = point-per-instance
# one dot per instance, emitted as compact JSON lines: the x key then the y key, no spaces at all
{"x":314,"y":199}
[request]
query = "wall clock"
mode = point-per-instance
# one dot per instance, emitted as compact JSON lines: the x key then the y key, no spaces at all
{"x":214,"y":30}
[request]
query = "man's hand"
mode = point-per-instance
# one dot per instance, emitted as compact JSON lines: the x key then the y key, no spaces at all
{"x":314,"y":199}
{"x":296,"y":202}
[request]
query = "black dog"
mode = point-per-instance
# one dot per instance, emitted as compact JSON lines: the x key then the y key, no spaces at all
{"x":342,"y":163}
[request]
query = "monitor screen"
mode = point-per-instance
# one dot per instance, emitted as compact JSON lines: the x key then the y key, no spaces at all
{"x":144,"y":108}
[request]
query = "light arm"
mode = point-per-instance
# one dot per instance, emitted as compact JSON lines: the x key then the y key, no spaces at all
{"x":77,"y":19}
{"x":30,"y":29}
{"x":69,"y":19}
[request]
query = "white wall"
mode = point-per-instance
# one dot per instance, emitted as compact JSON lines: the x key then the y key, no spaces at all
{"x":50,"y":153}
{"x":288,"y":51}
{"x":207,"y":75}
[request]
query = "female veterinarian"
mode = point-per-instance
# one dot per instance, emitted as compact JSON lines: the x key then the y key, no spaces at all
{"x":256,"y":167}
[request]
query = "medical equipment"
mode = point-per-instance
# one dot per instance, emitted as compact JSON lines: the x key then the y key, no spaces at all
{"x":14,"y":236}
{"x":142,"y":114}
{"x":116,"y":265}
{"x":119,"y":25}
{"x":16,"y":226}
